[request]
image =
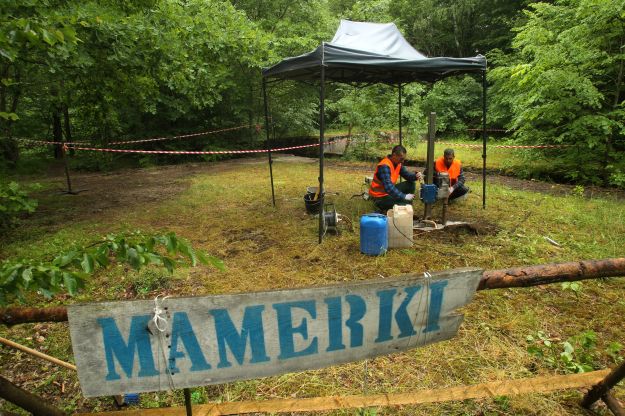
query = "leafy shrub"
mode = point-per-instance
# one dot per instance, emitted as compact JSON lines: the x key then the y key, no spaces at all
{"x":69,"y":270}
{"x":14,"y":201}
{"x":578,"y":354}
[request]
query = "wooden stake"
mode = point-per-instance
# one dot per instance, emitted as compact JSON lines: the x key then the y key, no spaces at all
{"x":613,"y":404}
{"x":604,"y":386}
{"x":36,"y":353}
{"x":26,"y":400}
{"x":319,"y":404}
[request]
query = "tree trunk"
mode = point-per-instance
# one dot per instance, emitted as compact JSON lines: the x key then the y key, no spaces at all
{"x":68,"y":130}
{"x":8,"y":146}
{"x":57,"y":132}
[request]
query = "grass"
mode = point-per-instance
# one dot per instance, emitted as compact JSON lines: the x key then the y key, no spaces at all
{"x":226,"y":210}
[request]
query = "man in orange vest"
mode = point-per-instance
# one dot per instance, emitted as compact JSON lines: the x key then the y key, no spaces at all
{"x":383,"y":190}
{"x":448,"y":163}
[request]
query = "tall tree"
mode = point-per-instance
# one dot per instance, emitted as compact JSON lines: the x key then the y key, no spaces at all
{"x":564,"y":84}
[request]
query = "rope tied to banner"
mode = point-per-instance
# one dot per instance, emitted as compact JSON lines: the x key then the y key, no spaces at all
{"x":160,"y":323}
{"x":158,"y":315}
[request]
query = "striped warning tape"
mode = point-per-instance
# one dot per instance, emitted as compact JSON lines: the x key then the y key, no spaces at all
{"x":258,"y":127}
{"x":492,"y":130}
{"x":200,"y":152}
{"x":506,"y":146}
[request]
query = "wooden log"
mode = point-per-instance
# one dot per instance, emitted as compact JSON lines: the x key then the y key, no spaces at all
{"x":552,"y":273}
{"x":491,"y":279}
{"x":17,"y":315}
{"x":613,"y":404}
{"x":601,"y":388}
{"x":322,"y":404}
{"x":26,"y":400}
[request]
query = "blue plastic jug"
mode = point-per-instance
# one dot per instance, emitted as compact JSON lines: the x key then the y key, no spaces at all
{"x":373,"y":234}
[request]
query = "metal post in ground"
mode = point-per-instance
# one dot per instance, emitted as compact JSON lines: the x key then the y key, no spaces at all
{"x":187,"y":402}
{"x":322,"y":91}
{"x":429,"y":164}
{"x":484,"y":139}
{"x":273,"y":195}
{"x":399,"y":105}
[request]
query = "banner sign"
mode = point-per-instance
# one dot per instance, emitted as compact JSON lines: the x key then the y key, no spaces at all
{"x":170,"y":343}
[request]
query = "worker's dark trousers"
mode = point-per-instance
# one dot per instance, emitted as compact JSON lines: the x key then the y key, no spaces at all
{"x":458,"y":192}
{"x":386,"y":202}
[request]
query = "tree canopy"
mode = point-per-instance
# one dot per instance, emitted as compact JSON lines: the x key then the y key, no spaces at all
{"x":98,"y":71}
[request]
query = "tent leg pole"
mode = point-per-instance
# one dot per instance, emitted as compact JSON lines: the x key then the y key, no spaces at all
{"x":399,"y":101}
{"x":273,"y":195}
{"x":322,"y":91}
{"x":484,"y":139}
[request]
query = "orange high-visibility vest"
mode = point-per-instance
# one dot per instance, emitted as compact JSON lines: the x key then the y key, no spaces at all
{"x":377,"y":187}
{"x":453,"y":170}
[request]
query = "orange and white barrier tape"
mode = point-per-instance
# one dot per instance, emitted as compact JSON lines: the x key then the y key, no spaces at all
{"x":257,"y":127}
{"x":200,"y":152}
{"x":508,"y":146}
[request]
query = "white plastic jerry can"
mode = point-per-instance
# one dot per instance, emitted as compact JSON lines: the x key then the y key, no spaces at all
{"x":400,"y":226}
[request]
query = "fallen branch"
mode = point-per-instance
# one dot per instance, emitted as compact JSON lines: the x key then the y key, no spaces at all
{"x":552,"y":273}
{"x":491,"y":279}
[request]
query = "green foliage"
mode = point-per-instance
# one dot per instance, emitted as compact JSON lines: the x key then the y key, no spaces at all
{"x":575,"y":287}
{"x":14,"y":200}
{"x":562,"y":85}
{"x":456,"y":102}
{"x":459,"y":28}
{"x":149,"y":280}
{"x":68,"y":271}
{"x":578,"y":354}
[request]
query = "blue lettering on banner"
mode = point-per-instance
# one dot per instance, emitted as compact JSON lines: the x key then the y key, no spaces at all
{"x":115,"y":347}
{"x":357,"y":310}
{"x":251,"y":328}
{"x":294,"y":338}
{"x":401,"y":315}
{"x":436,"y":302}
{"x":335,"y":324}
{"x":181,"y":329}
{"x":286,"y":330}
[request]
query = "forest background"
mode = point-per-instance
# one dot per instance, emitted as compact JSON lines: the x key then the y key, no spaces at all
{"x":101,"y":71}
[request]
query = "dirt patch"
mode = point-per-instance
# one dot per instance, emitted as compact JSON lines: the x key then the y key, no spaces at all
{"x":247,"y":239}
{"x":459,"y":233}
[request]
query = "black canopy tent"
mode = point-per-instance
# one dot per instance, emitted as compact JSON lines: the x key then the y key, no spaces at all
{"x":368,"y":53}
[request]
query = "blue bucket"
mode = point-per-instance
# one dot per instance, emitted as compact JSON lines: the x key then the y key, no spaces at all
{"x":373,"y":234}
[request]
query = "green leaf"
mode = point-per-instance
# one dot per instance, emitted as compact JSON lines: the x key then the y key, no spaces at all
{"x":87,"y":263}
{"x":27,"y":275}
{"x":70,"y":283}
{"x":171,"y":243}
{"x":48,"y":37}
{"x":187,"y":250}
{"x":133,"y":258}
{"x":169,"y":264}
{"x":65,"y":259}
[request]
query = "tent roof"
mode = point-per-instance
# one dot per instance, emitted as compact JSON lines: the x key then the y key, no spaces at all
{"x":371,"y":52}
